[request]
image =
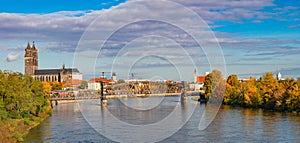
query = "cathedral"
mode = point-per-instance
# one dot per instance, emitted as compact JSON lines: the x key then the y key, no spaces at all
{"x":63,"y":75}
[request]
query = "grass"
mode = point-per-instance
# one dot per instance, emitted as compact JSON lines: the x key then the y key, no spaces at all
{"x":13,"y":130}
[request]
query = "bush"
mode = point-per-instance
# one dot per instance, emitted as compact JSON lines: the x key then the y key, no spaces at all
{"x":3,"y":114}
{"x":26,"y":122}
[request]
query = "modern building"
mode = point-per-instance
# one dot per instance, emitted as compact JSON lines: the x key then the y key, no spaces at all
{"x":63,"y":75}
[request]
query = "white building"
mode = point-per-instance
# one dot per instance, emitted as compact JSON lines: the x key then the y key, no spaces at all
{"x":94,"y":85}
{"x":77,"y":75}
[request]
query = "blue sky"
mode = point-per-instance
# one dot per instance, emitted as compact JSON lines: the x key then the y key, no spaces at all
{"x":255,"y":36}
{"x":50,"y":6}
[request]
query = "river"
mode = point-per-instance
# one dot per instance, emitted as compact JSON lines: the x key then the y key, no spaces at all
{"x":152,"y":119}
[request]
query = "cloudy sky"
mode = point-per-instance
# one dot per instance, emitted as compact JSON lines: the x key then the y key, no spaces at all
{"x":154,"y":39}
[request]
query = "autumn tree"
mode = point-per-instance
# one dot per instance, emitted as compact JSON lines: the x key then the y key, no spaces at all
{"x":251,"y":95}
{"x":47,"y":87}
{"x":291,"y":99}
{"x":233,"y":91}
{"x":298,"y":83}
{"x":56,"y":86}
{"x":269,"y":85}
{"x":214,"y":86}
{"x":208,"y":85}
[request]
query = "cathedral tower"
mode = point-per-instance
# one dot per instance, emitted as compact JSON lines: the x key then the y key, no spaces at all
{"x":30,"y":59}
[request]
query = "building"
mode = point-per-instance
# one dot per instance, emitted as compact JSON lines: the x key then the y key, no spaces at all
{"x":279,"y":76}
{"x":95,"y":83}
{"x":198,"y":83}
{"x":63,"y":75}
{"x":30,"y":59}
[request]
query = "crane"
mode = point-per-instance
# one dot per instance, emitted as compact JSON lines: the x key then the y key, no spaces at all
{"x":136,"y":73}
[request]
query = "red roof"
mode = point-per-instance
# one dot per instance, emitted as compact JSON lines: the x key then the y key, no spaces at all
{"x":200,"y":78}
{"x":75,"y":81}
{"x":101,"y":80}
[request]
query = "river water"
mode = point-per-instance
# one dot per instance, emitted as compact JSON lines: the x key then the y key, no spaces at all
{"x":158,"y":120}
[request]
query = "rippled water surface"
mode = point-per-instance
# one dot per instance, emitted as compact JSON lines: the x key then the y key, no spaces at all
{"x":232,"y":124}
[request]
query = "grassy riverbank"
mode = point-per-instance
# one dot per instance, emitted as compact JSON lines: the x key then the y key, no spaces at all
{"x":14,"y":130}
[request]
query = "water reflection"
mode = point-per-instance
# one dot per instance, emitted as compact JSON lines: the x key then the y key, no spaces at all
{"x":232,"y":124}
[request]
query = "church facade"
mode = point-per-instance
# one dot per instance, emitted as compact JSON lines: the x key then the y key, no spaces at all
{"x":63,"y":75}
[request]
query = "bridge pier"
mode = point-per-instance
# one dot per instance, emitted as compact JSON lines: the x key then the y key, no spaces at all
{"x":183,"y":95}
{"x":55,"y":103}
{"x":104,"y":103}
{"x":103,"y":97}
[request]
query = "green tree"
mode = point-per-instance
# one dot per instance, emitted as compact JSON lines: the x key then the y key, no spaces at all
{"x":208,"y":85}
{"x":21,"y":95}
{"x":214,"y":86}
{"x":83,"y":85}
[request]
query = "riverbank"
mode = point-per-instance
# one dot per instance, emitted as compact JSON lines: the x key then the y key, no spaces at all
{"x":196,"y":98}
{"x":24,"y":105}
{"x":231,"y":124}
{"x":14,"y":130}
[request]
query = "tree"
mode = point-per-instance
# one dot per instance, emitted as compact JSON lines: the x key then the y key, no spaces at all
{"x":121,"y":81}
{"x":47,"y":87}
{"x":21,"y":96}
{"x":251,"y":94}
{"x":269,"y":85}
{"x":233,"y":91}
{"x":56,"y":86}
{"x":214,"y":86}
{"x":208,"y":85}
{"x":290,"y":99}
{"x":83,"y":85}
{"x":298,"y":83}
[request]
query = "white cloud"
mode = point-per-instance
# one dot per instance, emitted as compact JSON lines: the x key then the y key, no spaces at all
{"x":10,"y":57}
{"x":62,"y":30}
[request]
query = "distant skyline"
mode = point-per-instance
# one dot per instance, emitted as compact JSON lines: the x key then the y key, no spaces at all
{"x":255,"y":36}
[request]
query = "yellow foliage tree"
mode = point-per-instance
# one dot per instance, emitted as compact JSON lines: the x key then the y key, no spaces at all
{"x":252,"y":97}
{"x":233,"y":91}
{"x":269,"y":85}
{"x":47,"y":87}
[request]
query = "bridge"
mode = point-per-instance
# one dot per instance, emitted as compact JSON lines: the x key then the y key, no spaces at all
{"x":54,"y":100}
{"x":118,"y":93}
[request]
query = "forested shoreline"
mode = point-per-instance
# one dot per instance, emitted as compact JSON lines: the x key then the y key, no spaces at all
{"x":267,"y":92}
{"x":24,"y":102}
{"x":23,"y":105}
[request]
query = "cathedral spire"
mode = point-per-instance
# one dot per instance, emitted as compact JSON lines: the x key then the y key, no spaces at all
{"x":33,"y":46}
{"x":28,"y":45}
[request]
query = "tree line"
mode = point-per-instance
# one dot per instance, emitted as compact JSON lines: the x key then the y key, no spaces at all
{"x":267,"y":92}
{"x":21,"y":96}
